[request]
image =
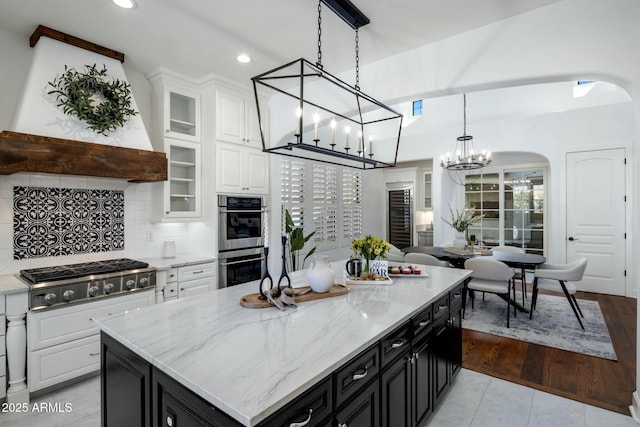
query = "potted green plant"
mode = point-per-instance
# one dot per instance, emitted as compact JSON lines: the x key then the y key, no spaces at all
{"x":461,"y":222}
{"x":297,"y":240}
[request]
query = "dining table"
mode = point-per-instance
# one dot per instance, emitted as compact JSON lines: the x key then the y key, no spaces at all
{"x":523,"y":261}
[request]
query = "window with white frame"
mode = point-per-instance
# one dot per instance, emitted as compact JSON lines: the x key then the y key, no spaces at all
{"x":307,"y":186}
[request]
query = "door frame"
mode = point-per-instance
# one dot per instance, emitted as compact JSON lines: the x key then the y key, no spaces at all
{"x":629,"y":286}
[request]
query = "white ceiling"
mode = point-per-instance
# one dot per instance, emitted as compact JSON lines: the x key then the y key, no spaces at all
{"x":196,"y":38}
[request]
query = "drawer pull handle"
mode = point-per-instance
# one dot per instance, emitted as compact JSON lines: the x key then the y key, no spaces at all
{"x":342,"y":425}
{"x":424,"y":323}
{"x":442,"y":307}
{"x":94,"y":354}
{"x":303,"y":423}
{"x":198,"y":272}
{"x":357,"y":377}
{"x":399,"y":343}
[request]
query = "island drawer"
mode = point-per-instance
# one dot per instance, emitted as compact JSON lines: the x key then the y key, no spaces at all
{"x":421,"y":323}
{"x":356,"y":374}
{"x":441,"y":308}
{"x":311,"y":409}
{"x":394,"y":344}
{"x":455,"y":296}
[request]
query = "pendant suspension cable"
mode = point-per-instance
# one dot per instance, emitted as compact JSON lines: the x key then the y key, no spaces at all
{"x":464,"y":110}
{"x":357,"y":86}
{"x":319,"y":63}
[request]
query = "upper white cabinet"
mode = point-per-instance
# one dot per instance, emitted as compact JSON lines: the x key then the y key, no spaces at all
{"x":175,"y":104}
{"x":176,"y":130}
{"x":426,"y":199}
{"x":241,"y":169}
{"x":237,"y":118}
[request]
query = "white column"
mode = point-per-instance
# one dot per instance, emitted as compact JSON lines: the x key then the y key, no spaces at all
{"x":16,"y":340}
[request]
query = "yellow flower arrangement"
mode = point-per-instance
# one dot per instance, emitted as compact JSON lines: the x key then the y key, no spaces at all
{"x":371,"y":247}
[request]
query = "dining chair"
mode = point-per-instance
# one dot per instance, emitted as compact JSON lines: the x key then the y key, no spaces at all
{"x":559,"y":277}
{"x":492,"y":276}
{"x":395,"y":254}
{"x":425,"y":259}
{"x":517,"y":274}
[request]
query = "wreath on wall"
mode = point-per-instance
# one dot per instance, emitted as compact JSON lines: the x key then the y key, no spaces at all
{"x":102,"y":102}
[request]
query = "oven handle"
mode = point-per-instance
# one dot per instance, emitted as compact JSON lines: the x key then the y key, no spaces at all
{"x":242,"y":210}
{"x":224,"y":264}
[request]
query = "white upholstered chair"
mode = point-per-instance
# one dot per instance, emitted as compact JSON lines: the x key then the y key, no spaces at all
{"x":395,"y":254}
{"x":424,"y":259}
{"x":490,"y":275}
{"x":559,"y":278}
{"x":518,"y":275}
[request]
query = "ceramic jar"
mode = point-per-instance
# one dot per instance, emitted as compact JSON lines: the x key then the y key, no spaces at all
{"x":460,"y":242}
{"x":320,"y":275}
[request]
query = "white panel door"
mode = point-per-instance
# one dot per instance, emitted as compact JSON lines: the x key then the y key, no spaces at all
{"x":596,"y":218}
{"x":229,"y":117}
{"x":257,"y":172}
{"x":230,"y":168}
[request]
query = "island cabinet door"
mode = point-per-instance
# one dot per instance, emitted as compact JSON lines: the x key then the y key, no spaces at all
{"x":395,"y":386}
{"x":455,"y":335}
{"x":125,"y":386}
{"x":441,"y":343}
{"x":176,"y":406}
{"x":363,"y":410}
{"x":421,"y":382}
{"x":311,"y":409}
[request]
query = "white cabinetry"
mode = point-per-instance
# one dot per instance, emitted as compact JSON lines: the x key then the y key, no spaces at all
{"x":3,"y":351}
{"x":65,"y":344}
{"x":190,"y":280}
{"x":241,"y":169}
{"x":237,"y":118}
{"x":176,"y":130}
{"x":180,"y":196}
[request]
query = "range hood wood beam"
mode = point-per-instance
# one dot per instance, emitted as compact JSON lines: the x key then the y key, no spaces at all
{"x":74,"y":41}
{"x":21,"y":152}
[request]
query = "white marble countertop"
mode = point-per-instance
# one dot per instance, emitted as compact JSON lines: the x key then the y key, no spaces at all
{"x":181,"y":260}
{"x":250,"y":362}
{"x":11,"y":284}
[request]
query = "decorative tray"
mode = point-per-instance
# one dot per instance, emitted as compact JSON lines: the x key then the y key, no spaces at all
{"x":348,"y":281}
{"x":476,"y":251}
{"x":411,"y":276}
{"x":253,"y":300}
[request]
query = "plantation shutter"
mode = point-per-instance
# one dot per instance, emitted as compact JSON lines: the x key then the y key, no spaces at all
{"x":325,"y":199}
{"x":293,"y":186}
{"x":351,"y":205}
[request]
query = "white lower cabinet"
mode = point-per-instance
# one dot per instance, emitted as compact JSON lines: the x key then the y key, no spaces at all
{"x":64,"y":343}
{"x":190,"y":280}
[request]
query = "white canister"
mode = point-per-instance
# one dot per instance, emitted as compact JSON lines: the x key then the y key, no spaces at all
{"x":169,"y":249}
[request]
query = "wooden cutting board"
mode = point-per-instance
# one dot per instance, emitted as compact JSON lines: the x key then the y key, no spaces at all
{"x":253,"y":300}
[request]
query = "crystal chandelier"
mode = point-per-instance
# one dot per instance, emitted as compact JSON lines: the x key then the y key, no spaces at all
{"x":465,"y":157}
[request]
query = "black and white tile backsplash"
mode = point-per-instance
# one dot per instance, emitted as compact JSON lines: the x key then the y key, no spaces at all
{"x":65,"y":221}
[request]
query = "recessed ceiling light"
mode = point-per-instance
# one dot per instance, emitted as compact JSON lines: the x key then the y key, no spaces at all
{"x":126,"y":4}
{"x":243,"y":58}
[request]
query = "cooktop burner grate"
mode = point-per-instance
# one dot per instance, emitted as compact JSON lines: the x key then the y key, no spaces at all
{"x":71,"y":271}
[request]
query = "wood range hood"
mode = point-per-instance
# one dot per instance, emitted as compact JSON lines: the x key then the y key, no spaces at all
{"x":27,"y":152}
{"x":21,"y":152}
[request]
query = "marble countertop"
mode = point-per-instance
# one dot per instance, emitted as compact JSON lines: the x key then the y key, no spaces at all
{"x":250,"y":362}
{"x":11,"y":284}
{"x":181,"y":260}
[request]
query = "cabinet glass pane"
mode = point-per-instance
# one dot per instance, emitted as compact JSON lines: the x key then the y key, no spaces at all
{"x":182,"y":117}
{"x":182,"y":179}
{"x":427,"y":190}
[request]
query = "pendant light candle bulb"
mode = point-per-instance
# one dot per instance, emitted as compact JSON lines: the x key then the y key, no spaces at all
{"x":360,"y":143}
{"x":333,"y":132}
{"x":347,"y":131}
{"x":370,"y":144}
{"x":298,"y":116}
{"x":316,"y":120}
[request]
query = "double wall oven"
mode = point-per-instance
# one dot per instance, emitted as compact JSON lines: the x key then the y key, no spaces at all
{"x":240,"y":239}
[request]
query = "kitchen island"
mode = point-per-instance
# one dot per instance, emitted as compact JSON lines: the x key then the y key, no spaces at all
{"x":247,"y":366}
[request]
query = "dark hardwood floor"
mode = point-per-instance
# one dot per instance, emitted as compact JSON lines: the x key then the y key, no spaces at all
{"x":592,"y":380}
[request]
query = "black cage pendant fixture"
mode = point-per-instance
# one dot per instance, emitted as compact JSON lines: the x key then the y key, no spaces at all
{"x":317,"y":116}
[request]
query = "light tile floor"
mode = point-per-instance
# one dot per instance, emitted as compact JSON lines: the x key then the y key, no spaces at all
{"x":475,"y":400}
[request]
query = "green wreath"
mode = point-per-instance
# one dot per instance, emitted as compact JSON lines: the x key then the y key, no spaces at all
{"x":103,"y":103}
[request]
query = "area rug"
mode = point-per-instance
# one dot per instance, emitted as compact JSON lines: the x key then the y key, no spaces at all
{"x":553,"y":324}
